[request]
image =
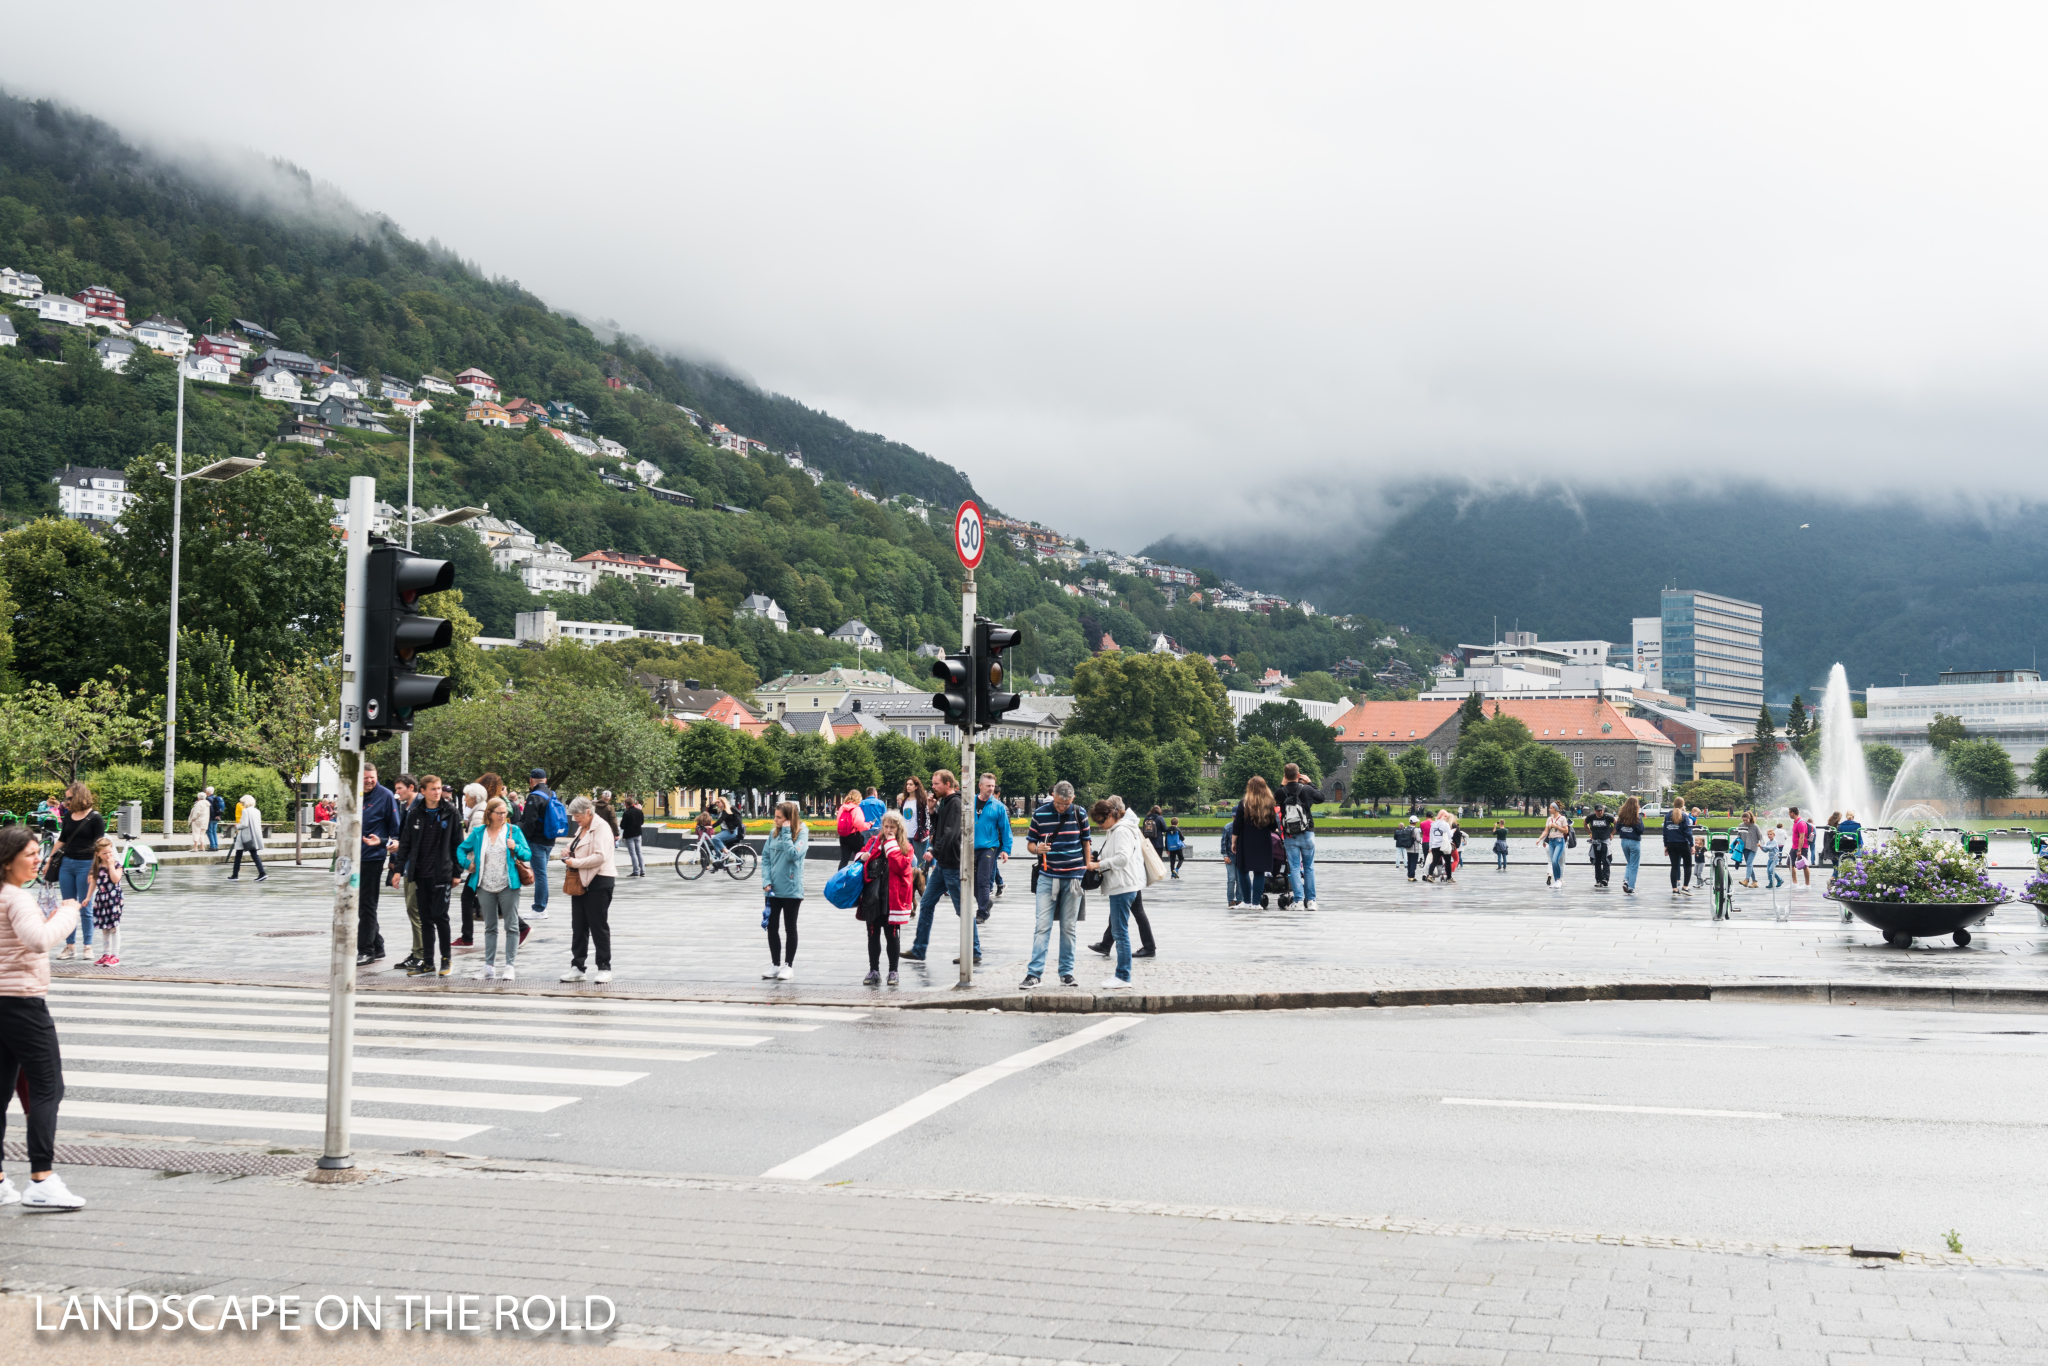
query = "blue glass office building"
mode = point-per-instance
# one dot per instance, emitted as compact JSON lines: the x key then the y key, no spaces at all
{"x":1714,"y":653}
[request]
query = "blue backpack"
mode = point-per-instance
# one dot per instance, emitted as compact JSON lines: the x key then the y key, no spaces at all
{"x":843,"y":888}
{"x":554,"y":822}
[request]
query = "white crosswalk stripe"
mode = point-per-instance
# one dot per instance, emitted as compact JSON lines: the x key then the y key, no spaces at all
{"x":139,"y":1031}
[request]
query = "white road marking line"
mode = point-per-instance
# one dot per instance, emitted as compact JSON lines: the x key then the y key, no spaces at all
{"x":306,"y":1090}
{"x":371,"y":1008}
{"x":1639,"y":1043}
{"x":454,"y":1001}
{"x":595,"y":1034}
{"x":317,"y":1062}
{"x":581,"y":1050}
{"x":1615,"y":1109}
{"x":860,"y":1138}
{"x":292,"y":1120}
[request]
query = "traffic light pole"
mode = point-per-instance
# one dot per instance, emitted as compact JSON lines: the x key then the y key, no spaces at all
{"x":967,"y":797}
{"x":337,"y":1154}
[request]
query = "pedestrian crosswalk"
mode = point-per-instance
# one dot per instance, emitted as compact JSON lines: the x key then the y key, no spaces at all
{"x":183,"y":1043}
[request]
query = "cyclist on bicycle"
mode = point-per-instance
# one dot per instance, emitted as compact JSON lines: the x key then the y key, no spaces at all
{"x":731,"y":829}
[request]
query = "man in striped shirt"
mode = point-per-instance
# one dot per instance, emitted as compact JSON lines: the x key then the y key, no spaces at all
{"x":1059,"y":839}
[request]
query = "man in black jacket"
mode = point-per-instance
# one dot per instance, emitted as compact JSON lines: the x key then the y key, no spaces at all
{"x":1298,"y":827}
{"x":942,"y":864}
{"x":1599,"y":829}
{"x":533,"y":823}
{"x":433,"y":833}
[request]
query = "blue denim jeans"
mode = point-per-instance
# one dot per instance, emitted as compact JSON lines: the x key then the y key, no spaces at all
{"x":73,"y":883}
{"x":1120,"y":931}
{"x":1301,"y":865}
{"x":1250,"y":885}
{"x":1771,"y":869}
{"x":1556,"y":858}
{"x":1067,"y":891}
{"x":213,"y":836}
{"x":1632,"y":854}
{"x":542,"y":851}
{"x":938,"y":882}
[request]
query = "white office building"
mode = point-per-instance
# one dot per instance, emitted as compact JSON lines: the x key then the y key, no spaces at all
{"x":545,"y":628}
{"x":2006,"y":705}
{"x":1649,"y":643}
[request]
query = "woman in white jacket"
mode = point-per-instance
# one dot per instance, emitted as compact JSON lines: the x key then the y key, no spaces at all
{"x":1122,"y":865}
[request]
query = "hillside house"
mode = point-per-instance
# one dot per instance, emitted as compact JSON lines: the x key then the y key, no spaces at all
{"x":859,"y":635}
{"x":548,"y":569}
{"x":297,"y":362}
{"x":231,"y":351}
{"x":103,"y":304}
{"x":383,"y":517}
{"x":305,"y":431}
{"x":7,"y":337}
{"x":21,"y":284}
{"x":198,"y":369}
{"x":525,"y":410}
{"x":760,"y":605}
{"x":488,"y":413}
{"x":334,"y":386}
{"x":564,"y":411}
{"x":394,"y":388}
{"x":475,"y":381}
{"x":55,"y":308}
{"x":165,"y":336}
{"x":114,"y":352}
{"x":612,"y":450}
{"x":435,"y":385}
{"x":673,"y":496}
{"x":346,"y":412}
{"x":412,"y":409}
{"x":277,"y":383}
{"x":647,"y":471}
{"x":90,"y":494}
{"x":617,"y":564}
{"x":254,"y":332}
{"x":726,"y":439}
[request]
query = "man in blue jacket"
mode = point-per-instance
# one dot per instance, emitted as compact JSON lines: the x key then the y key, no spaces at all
{"x":533,"y":823}
{"x":380,"y":831}
{"x":991,"y":843}
{"x":872,"y":809}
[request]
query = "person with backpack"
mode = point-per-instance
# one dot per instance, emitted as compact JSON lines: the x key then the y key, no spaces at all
{"x":1599,"y":829}
{"x":1500,"y":844}
{"x":1628,"y":828}
{"x":1298,"y":830}
{"x":1678,"y":848}
{"x":888,"y":890}
{"x":942,"y":863}
{"x":782,"y":882}
{"x":1176,"y":849}
{"x":1408,"y":844}
{"x":853,"y":826}
{"x":543,"y":820}
{"x":219,"y":806}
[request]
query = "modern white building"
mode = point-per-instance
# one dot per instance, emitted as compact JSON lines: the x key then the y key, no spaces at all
{"x":1243,"y":704}
{"x":89,"y":494}
{"x":545,"y":628}
{"x":2006,"y":705}
{"x":618,"y":564}
{"x":1649,"y":646}
{"x":55,"y":308}
{"x":165,"y":335}
{"x":555,"y":574}
{"x":1713,"y":649}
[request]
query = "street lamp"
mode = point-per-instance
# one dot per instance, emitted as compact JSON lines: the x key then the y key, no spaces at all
{"x":454,"y":517}
{"x":219,"y":471}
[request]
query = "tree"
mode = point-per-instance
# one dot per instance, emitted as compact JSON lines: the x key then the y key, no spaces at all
{"x":1473,"y":710}
{"x":46,"y":731}
{"x":1488,"y":774}
{"x":1982,"y":769}
{"x":1796,"y":722}
{"x":936,"y":752}
{"x":1945,"y":730}
{"x":214,"y":699}
{"x":708,"y":757}
{"x":1295,"y":751}
{"x":807,"y":766}
{"x":289,"y":725}
{"x":1508,"y":732}
{"x":853,"y":764}
{"x":1021,"y":767}
{"x":1884,"y":763}
{"x":1180,"y":776}
{"x":1316,"y":686}
{"x":1713,"y":794}
{"x":1419,"y":777}
{"x":1151,"y":699}
{"x":1257,"y":755}
{"x":1076,"y":761}
{"x":1281,"y":721}
{"x":1763,"y":759}
{"x":898,"y":760}
{"x":1545,"y":774}
{"x":465,"y":664}
{"x":1135,"y":776}
{"x":586,"y":738}
{"x":760,"y":766}
{"x":57,"y":575}
{"x":1378,"y":777}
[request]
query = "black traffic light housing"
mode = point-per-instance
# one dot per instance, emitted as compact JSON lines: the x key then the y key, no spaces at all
{"x":394,"y":633}
{"x":955,"y":696}
{"x":991,"y":703}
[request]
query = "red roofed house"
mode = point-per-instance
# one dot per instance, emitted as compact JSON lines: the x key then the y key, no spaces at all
{"x":484,"y":411}
{"x":478,"y":383}
{"x":101,"y":302}
{"x":620,"y":565}
{"x":1608,"y":751}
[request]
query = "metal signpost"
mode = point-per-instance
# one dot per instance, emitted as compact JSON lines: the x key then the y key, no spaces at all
{"x":969,"y":542}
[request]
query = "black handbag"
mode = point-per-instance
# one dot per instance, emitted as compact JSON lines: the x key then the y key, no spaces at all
{"x":1091,"y":881}
{"x":873,"y":906}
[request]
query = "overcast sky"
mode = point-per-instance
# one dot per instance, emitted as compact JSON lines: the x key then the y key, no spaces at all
{"x":1167,"y":268}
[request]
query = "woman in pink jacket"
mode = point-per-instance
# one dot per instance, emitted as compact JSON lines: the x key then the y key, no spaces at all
{"x":28,"y":1037}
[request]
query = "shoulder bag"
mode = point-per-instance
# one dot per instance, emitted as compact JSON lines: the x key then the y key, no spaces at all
{"x":1155,"y":866}
{"x":572,"y":880}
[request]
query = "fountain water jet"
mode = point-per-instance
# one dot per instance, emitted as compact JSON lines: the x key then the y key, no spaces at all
{"x":1843,"y":783}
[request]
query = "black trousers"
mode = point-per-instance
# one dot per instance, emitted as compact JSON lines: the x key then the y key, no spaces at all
{"x":235,"y":868}
{"x":1142,"y":921}
{"x":369,"y":939}
{"x":849,"y":845}
{"x":469,"y":912}
{"x":782,"y":929}
{"x":1414,"y":857}
{"x":876,"y":935}
{"x":590,"y":923}
{"x":28,"y":1044}
{"x":1174,"y":859}
{"x":1596,"y":851}
{"x":433,"y":898}
{"x":1681,"y":862}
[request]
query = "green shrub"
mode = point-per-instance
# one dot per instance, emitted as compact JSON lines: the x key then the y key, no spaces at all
{"x":120,"y":783}
{"x":21,"y":798}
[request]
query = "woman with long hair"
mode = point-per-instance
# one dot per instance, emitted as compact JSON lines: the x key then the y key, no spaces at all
{"x":917,"y":816}
{"x":1557,"y":828}
{"x":78,"y":834}
{"x":498,"y":862}
{"x":782,"y":883}
{"x":894,"y":853}
{"x":1628,"y":828}
{"x":28,"y":1037}
{"x":1251,"y":842}
{"x":853,"y":826}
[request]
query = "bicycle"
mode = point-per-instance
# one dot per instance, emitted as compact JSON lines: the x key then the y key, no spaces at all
{"x":738,"y":860}
{"x":1724,"y":901}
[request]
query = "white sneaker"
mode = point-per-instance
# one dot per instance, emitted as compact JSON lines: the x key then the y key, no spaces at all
{"x":50,"y":1193}
{"x":8,"y":1194}
{"x":603,"y":975}
{"x":1308,"y":905}
{"x":507,"y":975}
{"x":1116,"y":984}
{"x":774,"y":971}
{"x":483,"y":974}
{"x":785,"y":974}
{"x":573,"y":975}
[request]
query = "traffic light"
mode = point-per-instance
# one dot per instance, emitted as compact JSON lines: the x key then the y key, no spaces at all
{"x":955,"y":696}
{"x":991,"y":703}
{"x":394,"y":633}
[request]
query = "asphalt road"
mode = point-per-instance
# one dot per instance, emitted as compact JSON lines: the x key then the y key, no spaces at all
{"x":1824,"y":1124}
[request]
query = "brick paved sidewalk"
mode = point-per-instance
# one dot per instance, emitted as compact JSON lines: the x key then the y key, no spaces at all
{"x":849,"y":1274}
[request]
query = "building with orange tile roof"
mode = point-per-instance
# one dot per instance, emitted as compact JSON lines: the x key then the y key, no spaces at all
{"x":1608,"y":750}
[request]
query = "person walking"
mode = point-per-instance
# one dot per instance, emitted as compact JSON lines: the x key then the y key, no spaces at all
{"x":1557,"y":828}
{"x":1408,"y":842}
{"x":782,"y":883}
{"x":1176,"y":848}
{"x":429,"y":846}
{"x":496,"y":861}
{"x":1147,"y":948}
{"x":1802,"y":837}
{"x":991,"y":844}
{"x":916,"y":816}
{"x":380,"y":832}
{"x":890,"y":858}
{"x":1628,"y":828}
{"x":248,"y":839}
{"x":1253,"y":828}
{"x":1678,"y":848}
{"x":1776,"y":846}
{"x":217,"y":806}
{"x":103,"y":896}
{"x":405,"y":795}
{"x":632,"y":821}
{"x":1298,"y":834}
{"x":543,"y":821}
{"x":1600,"y":830}
{"x":589,"y":877}
{"x":873,"y":808}
{"x":942,"y":865}
{"x":28,"y":1036}
{"x":79,"y":829}
{"x":1438,"y":837}
{"x":1829,"y":857}
{"x":1155,"y":831}
{"x":853,"y":825}
{"x":473,"y":799}
{"x":1058,"y":839}
{"x":1752,"y":840}
{"x":197,"y":819}
{"x":1500,"y":844}
{"x":1122,"y":865}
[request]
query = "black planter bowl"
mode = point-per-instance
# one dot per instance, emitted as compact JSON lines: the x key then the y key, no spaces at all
{"x":1904,"y":921}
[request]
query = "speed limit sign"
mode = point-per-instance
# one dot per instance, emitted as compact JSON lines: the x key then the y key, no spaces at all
{"x":967,"y":534}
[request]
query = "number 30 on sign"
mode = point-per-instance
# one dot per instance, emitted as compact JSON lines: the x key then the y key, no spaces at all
{"x":967,"y":534}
